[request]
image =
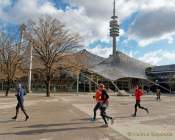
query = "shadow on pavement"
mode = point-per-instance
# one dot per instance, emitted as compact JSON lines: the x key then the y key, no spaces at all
{"x":41,"y":131}
{"x":10,"y":120}
{"x":52,"y":125}
{"x":6,"y":121}
{"x":85,"y":119}
{"x":122,"y":117}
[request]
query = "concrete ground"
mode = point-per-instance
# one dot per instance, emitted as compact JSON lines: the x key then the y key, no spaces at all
{"x":67,"y":117}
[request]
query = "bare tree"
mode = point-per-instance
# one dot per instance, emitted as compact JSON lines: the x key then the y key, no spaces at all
{"x":74,"y":62}
{"x":10,"y":60}
{"x":50,"y":42}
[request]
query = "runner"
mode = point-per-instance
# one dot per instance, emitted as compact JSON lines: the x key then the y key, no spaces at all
{"x":97,"y":97}
{"x":138,"y":93}
{"x":20,"y":98}
{"x":104,"y":105}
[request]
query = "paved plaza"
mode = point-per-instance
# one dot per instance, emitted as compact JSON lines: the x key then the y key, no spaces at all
{"x":67,"y":117}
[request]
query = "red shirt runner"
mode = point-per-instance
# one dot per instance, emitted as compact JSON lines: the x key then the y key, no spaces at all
{"x":138,"y":93}
{"x":98,"y":95}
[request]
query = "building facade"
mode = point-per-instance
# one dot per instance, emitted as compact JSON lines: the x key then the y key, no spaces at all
{"x":163,"y":75}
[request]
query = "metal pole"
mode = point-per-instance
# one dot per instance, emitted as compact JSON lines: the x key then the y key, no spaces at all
{"x":159,"y":86}
{"x":90,"y":85}
{"x":22,"y":30}
{"x":115,"y":86}
{"x":97,"y":83}
{"x":129,"y":85}
{"x":84,"y":86}
{"x":30,"y":67}
{"x":77,"y":84}
{"x":89,"y":79}
{"x":2,"y":85}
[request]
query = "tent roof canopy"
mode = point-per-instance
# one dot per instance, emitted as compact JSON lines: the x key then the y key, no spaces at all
{"x":120,"y":66}
{"x":90,"y":58}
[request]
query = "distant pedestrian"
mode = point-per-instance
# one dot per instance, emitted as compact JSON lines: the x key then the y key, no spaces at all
{"x":103,"y":107}
{"x":97,"y":97}
{"x":20,"y":99}
{"x":157,"y":90}
{"x":138,"y":93}
{"x":158,"y":94}
{"x":147,"y":90}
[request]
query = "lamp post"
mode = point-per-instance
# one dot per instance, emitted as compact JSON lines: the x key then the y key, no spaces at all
{"x":77,"y":83}
{"x":22,"y":30}
{"x":30,"y":67}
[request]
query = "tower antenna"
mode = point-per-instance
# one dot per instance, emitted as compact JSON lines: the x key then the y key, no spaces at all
{"x":114,"y":29}
{"x":114,"y":9}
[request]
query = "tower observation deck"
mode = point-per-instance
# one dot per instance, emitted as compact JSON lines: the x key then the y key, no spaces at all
{"x":114,"y":29}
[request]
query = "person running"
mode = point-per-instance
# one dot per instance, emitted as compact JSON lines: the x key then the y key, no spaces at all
{"x":103,"y":107}
{"x":138,"y":93}
{"x":98,"y":100}
{"x":20,"y":98}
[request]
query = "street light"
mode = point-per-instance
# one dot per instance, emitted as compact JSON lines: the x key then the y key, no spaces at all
{"x":30,"y":67}
{"x":22,"y":30}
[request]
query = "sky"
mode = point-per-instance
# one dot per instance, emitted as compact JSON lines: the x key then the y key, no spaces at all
{"x":147,"y":27}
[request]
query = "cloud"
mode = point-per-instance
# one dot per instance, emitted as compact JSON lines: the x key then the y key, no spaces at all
{"x":101,"y":51}
{"x":154,"y":23}
{"x":103,"y":8}
{"x":121,"y":32}
{"x":147,"y":41}
{"x":131,"y":53}
{"x":159,"y":57}
{"x":4,"y":3}
{"x":23,"y":10}
{"x":88,"y":19}
{"x":91,"y":19}
{"x":47,"y":8}
{"x":155,"y":5}
{"x":76,"y":19}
